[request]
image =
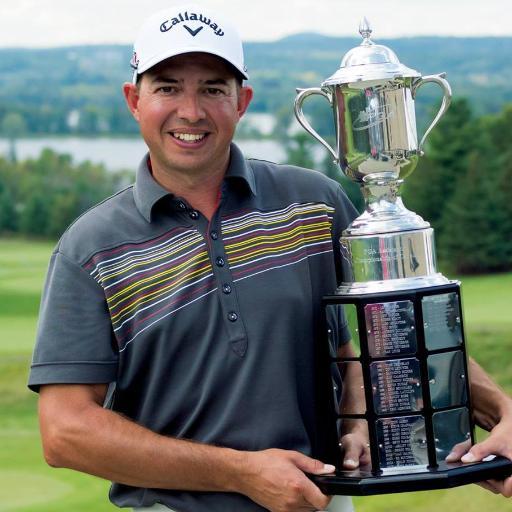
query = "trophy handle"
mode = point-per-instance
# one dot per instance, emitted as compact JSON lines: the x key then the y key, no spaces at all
{"x":447,"y":97}
{"x":299,"y":100}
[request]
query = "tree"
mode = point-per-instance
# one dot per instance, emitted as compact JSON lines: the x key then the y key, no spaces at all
{"x":429,"y":189}
{"x":13,"y":127}
{"x":8,"y":215}
{"x":41,"y":197}
{"x":470,"y":241}
{"x":8,"y":194}
{"x":299,"y":149}
{"x":504,"y":208}
{"x":35,"y":214}
{"x":352,"y":189}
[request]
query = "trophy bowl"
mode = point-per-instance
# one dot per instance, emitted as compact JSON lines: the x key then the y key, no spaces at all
{"x":372,"y":99}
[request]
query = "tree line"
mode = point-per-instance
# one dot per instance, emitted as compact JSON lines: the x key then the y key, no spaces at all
{"x":463,"y":187}
{"x":41,"y":197}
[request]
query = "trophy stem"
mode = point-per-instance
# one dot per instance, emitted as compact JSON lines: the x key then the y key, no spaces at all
{"x":381,"y":193}
{"x":384,"y":209}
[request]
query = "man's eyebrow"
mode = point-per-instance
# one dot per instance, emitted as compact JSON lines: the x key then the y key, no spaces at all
{"x":165,"y":80}
{"x":216,"y":81}
{"x":169,"y":80}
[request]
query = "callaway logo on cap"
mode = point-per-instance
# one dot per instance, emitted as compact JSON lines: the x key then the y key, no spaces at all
{"x":185,"y":29}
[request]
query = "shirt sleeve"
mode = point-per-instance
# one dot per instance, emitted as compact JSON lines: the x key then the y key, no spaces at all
{"x":345,"y":213}
{"x":75,"y":343}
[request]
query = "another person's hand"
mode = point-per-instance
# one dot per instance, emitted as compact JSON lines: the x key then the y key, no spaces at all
{"x":276,"y":480}
{"x":354,"y":445}
{"x":499,"y":442}
{"x":356,"y":451}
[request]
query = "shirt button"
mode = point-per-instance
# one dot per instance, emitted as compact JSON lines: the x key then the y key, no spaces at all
{"x":220,"y":262}
{"x":226,"y":288}
{"x":193,"y":215}
{"x":232,"y":316}
{"x":214,"y":235}
{"x":182,"y":205}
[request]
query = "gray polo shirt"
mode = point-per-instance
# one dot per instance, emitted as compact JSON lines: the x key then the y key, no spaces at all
{"x":206,"y":328}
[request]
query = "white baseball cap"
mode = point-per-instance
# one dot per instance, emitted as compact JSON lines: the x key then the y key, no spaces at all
{"x":182,"y":29}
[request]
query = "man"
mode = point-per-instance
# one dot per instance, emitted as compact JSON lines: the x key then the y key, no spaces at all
{"x":175,"y":343}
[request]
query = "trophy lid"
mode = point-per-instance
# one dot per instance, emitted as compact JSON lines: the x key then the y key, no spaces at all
{"x":369,"y":61}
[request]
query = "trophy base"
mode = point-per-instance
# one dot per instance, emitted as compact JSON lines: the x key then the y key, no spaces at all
{"x":364,"y":483}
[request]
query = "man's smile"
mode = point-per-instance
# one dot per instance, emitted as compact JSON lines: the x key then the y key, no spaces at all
{"x":189,"y":138}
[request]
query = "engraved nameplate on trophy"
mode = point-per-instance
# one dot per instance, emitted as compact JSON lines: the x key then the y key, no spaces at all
{"x":390,"y":327}
{"x":441,"y":317}
{"x":396,"y":385}
{"x":402,"y":441}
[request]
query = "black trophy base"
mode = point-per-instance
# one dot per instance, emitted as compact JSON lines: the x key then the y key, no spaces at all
{"x":364,"y":483}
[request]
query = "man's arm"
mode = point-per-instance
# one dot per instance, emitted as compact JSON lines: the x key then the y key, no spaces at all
{"x":492,"y":409}
{"x":78,"y":433}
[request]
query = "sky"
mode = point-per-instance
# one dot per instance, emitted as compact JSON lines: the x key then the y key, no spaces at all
{"x":47,"y":23}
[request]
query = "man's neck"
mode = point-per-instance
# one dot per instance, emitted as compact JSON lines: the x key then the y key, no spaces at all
{"x":200,"y":190}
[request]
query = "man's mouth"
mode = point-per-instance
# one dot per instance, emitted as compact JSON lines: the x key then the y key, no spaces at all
{"x":190,"y":138}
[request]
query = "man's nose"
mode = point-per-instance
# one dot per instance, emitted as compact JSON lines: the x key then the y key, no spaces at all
{"x":190,"y":108}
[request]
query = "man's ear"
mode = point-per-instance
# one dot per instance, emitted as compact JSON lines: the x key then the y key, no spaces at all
{"x":131,"y":95}
{"x":245,"y":95}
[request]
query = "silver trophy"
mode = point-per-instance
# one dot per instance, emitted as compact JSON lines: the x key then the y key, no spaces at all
{"x":405,"y":318}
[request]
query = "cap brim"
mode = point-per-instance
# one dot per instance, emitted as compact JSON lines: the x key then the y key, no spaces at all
{"x":191,"y":49}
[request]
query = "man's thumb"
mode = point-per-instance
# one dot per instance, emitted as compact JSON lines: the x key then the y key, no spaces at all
{"x":313,"y":466}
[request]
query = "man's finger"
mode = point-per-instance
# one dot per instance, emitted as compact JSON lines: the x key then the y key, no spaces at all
{"x":487,"y":485}
{"x":314,"y":496}
{"x":479,"y":451}
{"x":312,"y":466}
{"x":458,"y":451}
{"x":503,"y":487}
{"x":353,"y":451}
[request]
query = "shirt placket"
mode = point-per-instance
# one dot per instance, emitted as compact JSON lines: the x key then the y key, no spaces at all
{"x":226,"y":292}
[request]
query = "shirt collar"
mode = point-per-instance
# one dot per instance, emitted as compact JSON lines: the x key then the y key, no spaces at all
{"x":239,"y":168}
{"x":147,"y":192}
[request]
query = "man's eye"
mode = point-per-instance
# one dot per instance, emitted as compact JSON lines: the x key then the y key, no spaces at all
{"x":214,"y":91}
{"x":167,"y":89}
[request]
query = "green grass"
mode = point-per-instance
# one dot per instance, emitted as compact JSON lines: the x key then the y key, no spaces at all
{"x":486,"y":300}
{"x":27,"y":484}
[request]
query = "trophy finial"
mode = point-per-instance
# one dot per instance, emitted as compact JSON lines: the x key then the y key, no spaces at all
{"x":365,"y":30}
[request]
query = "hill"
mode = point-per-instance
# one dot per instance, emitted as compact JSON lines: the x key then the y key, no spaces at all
{"x":77,"y":89}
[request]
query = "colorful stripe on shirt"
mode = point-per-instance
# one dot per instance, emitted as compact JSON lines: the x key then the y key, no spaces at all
{"x":146,"y":282}
{"x":258,"y":241}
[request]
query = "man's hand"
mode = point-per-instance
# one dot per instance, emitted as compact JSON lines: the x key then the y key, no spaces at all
{"x":276,"y":480}
{"x":78,"y":433}
{"x":356,"y":450}
{"x":499,"y":442}
{"x":493,"y":412}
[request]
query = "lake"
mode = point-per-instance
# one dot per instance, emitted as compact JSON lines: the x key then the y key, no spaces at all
{"x":126,"y":153}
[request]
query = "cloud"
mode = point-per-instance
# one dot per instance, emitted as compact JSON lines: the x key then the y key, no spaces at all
{"x":65,"y":22}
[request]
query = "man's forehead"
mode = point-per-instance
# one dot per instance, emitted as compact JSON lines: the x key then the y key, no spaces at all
{"x":210,"y":64}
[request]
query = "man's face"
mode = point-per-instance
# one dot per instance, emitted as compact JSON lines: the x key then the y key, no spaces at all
{"x":187,"y":108}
